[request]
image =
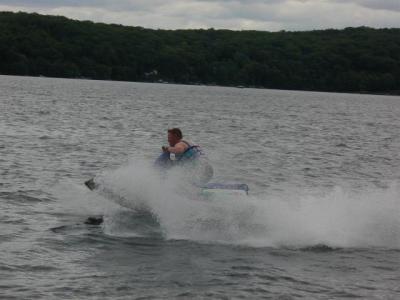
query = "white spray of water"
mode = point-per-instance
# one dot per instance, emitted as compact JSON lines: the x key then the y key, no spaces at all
{"x":339,"y":218}
{"x":336,"y":218}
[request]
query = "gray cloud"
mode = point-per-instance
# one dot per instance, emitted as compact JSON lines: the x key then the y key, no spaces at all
{"x":390,"y":5}
{"x":232,"y":14}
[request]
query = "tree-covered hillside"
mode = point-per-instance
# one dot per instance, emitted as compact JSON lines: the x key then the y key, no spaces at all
{"x":350,"y":60}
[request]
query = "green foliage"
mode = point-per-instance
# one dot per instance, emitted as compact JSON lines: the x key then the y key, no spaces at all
{"x":350,"y":60}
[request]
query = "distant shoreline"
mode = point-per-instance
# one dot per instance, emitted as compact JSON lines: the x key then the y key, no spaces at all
{"x":388,"y":93}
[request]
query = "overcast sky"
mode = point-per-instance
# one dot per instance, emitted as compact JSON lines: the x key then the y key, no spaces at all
{"x":271,"y":15}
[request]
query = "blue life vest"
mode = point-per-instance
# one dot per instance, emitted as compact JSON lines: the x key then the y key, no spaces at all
{"x":192,"y":153}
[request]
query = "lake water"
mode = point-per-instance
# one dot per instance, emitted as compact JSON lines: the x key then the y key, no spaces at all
{"x":322,"y":219}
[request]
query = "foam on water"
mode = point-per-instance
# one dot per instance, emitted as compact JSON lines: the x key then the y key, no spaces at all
{"x":336,"y":217}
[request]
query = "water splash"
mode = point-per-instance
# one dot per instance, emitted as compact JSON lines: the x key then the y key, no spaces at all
{"x":335,"y":217}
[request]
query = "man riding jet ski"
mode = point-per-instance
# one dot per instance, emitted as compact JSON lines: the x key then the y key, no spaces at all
{"x":192,"y":161}
{"x":187,"y":155}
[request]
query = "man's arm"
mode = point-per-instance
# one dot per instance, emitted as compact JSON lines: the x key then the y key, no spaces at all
{"x":178,"y":148}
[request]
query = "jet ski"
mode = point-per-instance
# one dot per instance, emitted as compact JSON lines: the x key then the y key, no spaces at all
{"x":206,"y":189}
{"x":200,"y":174}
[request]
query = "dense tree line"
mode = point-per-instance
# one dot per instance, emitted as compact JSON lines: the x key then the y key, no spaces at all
{"x":349,"y":60}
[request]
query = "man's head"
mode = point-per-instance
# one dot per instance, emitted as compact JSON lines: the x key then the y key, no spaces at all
{"x":174,"y":136}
